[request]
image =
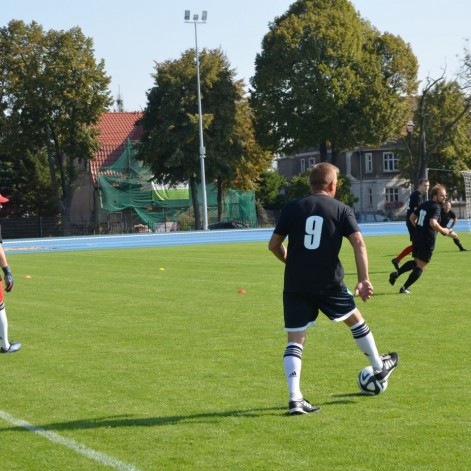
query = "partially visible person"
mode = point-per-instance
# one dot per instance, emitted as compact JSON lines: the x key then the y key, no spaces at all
{"x":426,"y":220}
{"x":448,"y":219}
{"x":314,"y":277}
{"x":6,"y":346}
{"x":415,"y":199}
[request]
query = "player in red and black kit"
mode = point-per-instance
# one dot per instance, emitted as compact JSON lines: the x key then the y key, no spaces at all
{"x":313,"y":281}
{"x":448,"y":219}
{"x":426,"y":220}
{"x":415,"y":199}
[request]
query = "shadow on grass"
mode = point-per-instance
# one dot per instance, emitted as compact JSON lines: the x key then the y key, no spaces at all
{"x":124,"y":420}
{"x":127,"y":421}
{"x":345,"y":398}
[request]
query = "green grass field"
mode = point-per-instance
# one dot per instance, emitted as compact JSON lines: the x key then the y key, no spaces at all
{"x":150,"y":359}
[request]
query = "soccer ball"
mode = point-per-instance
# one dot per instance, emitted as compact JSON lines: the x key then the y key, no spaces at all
{"x":368,"y":384}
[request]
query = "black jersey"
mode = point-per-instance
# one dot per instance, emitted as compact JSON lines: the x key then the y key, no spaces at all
{"x":315,"y":226}
{"x":445,"y":218}
{"x":424,"y":233}
{"x":414,"y":202}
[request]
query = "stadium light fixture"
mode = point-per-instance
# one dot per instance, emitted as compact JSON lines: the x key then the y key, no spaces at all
{"x":196,"y":21}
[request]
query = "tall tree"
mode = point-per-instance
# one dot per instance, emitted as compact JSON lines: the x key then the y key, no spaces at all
{"x":326,"y":77}
{"x":53,"y":93}
{"x":25,"y":179}
{"x":441,"y":142}
{"x":170,"y":144}
{"x":271,"y":190}
{"x":274,"y":191}
{"x":244,"y":159}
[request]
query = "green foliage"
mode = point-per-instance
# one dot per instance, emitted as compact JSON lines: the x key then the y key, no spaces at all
{"x":270,"y":191}
{"x":450,"y":144}
{"x":344,"y":192}
{"x":170,"y":145}
{"x":162,"y":370}
{"x":275,"y":191}
{"x":387,"y":73}
{"x":249,"y":159}
{"x":298,"y":186}
{"x":325,"y":76}
{"x":53,"y":93}
{"x":442,"y":127}
{"x":27,"y":182}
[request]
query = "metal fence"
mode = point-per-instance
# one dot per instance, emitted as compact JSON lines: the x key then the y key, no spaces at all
{"x":118,"y":223}
{"x":38,"y":227}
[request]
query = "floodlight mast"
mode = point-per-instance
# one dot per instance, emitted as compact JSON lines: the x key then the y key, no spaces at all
{"x":202,"y":149}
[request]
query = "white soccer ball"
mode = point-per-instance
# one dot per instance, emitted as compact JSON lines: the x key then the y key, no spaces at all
{"x":368,"y":384}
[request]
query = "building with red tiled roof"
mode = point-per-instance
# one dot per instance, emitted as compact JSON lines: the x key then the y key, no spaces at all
{"x":116,"y":128}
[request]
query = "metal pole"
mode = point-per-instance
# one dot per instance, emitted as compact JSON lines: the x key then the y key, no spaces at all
{"x":200,"y":126}
{"x":202,"y":150}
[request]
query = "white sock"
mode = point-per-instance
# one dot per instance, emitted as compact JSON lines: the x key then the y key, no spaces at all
{"x":292,"y":362}
{"x":366,"y":343}
{"x":4,"y":327}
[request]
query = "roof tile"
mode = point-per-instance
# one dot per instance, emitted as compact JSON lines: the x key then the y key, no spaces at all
{"x":116,"y":128}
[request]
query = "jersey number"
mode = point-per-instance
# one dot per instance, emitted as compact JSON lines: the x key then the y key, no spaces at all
{"x":422,"y":214}
{"x":312,"y":238}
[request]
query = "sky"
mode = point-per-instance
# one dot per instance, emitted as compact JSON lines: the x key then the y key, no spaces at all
{"x":132,"y":36}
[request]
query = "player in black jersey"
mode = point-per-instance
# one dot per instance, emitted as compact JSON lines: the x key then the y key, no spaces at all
{"x":314,"y":277}
{"x":448,"y":219}
{"x":426,"y":220}
{"x":416,"y":198}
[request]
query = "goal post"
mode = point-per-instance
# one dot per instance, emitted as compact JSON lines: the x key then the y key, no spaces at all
{"x":467,"y":186}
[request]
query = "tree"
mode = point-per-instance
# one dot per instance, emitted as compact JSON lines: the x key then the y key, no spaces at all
{"x":25,"y":179}
{"x":326,"y":77}
{"x":298,"y":187}
{"x":53,"y":93}
{"x":170,"y":144}
{"x":271,"y":190}
{"x":275,"y":191}
{"x":344,"y":192}
{"x":440,"y":143}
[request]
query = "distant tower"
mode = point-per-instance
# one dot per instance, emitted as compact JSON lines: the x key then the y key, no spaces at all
{"x":119,"y":101}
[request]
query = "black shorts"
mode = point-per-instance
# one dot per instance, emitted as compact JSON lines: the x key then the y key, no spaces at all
{"x":301,"y":309}
{"x":423,"y":251}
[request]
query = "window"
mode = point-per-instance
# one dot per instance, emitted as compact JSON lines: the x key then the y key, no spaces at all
{"x":312,"y":162}
{"x":392,"y":202}
{"x":303,"y":165}
{"x":368,"y":162}
{"x":389,"y":162}
{"x":392,"y":195}
{"x":370,"y":196}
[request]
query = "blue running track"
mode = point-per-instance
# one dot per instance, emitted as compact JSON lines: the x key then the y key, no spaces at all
{"x":123,"y":241}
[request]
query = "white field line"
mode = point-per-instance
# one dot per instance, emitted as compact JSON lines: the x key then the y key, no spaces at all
{"x":97,"y":456}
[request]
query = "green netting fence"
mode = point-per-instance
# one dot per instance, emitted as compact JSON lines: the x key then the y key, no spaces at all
{"x":127,"y":186}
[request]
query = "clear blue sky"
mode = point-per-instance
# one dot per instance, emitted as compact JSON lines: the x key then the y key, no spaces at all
{"x":132,"y":35}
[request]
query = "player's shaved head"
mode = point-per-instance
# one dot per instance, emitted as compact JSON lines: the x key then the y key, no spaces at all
{"x":322,"y":175}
